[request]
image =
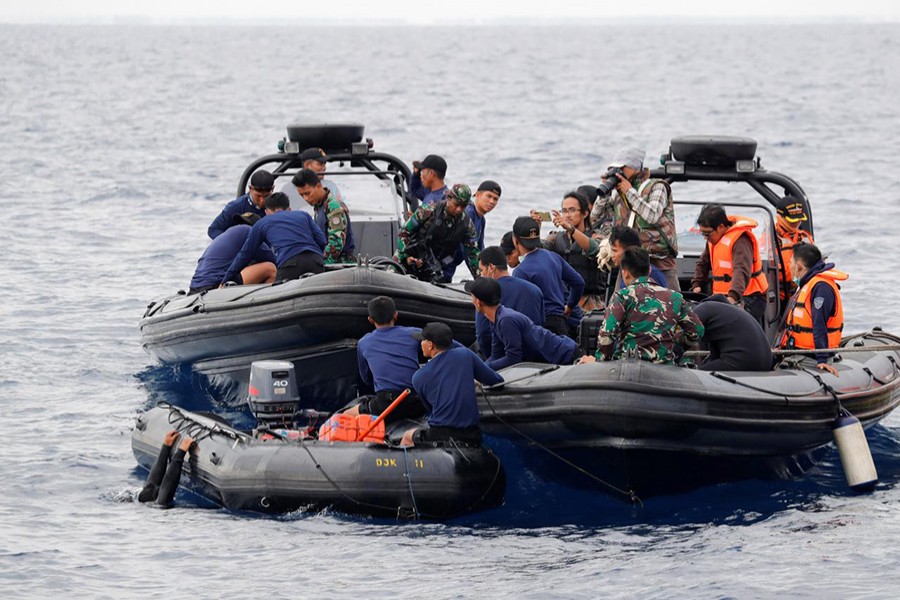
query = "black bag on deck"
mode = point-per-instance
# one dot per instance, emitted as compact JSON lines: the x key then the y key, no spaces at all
{"x":589,"y":330}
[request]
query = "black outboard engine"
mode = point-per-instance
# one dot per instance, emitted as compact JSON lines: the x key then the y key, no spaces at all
{"x":273,"y":398}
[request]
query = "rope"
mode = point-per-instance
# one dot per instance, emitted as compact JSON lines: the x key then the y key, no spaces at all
{"x":789,"y":351}
{"x":408,"y":476}
{"x":630,"y":494}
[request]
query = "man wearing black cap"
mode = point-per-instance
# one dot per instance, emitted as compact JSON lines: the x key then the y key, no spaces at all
{"x":331,"y":215}
{"x":550,"y":272}
{"x":509,"y":249}
{"x":791,"y":214}
{"x":447,"y":389}
{"x":427,"y":182}
{"x":261,"y":184}
{"x":515,"y":338}
{"x":316,"y":160}
{"x":217,"y":257}
{"x":428,"y":241}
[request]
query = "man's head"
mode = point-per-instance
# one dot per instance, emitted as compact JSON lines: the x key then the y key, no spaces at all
{"x":487,"y":196}
{"x":635,"y":263}
{"x":458,"y":197}
{"x":805,"y":257}
{"x":526,"y":234}
{"x":485,"y":293}
{"x":713,"y":222}
{"x":492,"y":262}
{"x":435,"y":337}
{"x":589,"y":192}
{"x":382,"y":311}
{"x":630,"y":160}
{"x":622,"y":237}
{"x":277,"y":202}
{"x":432,"y":170}
{"x":309,"y":186}
{"x":261,"y":185}
{"x":314,"y":159}
{"x":791,"y":212}
{"x":508,"y":245}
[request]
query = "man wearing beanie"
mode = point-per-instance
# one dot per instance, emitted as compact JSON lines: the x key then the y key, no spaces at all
{"x":254,"y":201}
{"x":646,"y":205}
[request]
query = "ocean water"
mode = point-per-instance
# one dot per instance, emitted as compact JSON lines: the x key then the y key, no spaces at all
{"x":118,"y":145}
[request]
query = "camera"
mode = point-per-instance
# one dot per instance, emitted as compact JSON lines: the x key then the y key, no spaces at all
{"x":610,"y":181}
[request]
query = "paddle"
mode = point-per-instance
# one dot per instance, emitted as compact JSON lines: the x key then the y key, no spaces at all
{"x":382,"y":416}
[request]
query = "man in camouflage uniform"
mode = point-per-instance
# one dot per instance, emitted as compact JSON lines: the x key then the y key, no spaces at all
{"x":331,"y":215}
{"x":644,"y":319}
{"x":646,"y":205}
{"x":433,"y":234}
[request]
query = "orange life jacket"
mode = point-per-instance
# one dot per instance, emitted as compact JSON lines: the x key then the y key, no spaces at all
{"x":787,"y":239}
{"x":798,"y":325}
{"x":720,"y":259}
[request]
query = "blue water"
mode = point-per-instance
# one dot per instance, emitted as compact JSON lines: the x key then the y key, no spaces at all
{"x":119,"y":145}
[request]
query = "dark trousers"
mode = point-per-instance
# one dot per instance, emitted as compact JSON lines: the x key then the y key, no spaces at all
{"x":756,"y":306}
{"x":300,"y":264}
{"x":557,"y":324}
{"x":410,"y":408}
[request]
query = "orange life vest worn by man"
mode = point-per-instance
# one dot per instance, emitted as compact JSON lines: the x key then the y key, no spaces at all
{"x":791,"y":214}
{"x":814,"y":318}
{"x":731,"y":259}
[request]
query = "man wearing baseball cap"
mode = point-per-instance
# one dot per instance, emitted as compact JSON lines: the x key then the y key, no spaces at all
{"x":427,"y":182}
{"x":791,"y":214}
{"x":645,"y":204}
{"x":429,"y":240}
{"x":561,"y":285}
{"x":315,"y":159}
{"x":261,"y":185}
{"x":515,"y":337}
{"x":446,"y":387}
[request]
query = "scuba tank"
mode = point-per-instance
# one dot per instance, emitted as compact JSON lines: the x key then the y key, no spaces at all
{"x":856,"y":458}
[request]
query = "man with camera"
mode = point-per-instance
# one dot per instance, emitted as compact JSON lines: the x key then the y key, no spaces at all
{"x":429,"y":240}
{"x":644,"y":204}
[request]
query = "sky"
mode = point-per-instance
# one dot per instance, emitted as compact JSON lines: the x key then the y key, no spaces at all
{"x":419,"y":12}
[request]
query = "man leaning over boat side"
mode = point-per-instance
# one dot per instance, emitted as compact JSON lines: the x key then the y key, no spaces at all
{"x":732,"y":336}
{"x":645,"y":320}
{"x":517,"y":294}
{"x":427,"y":183}
{"x":446,"y":385}
{"x":814,"y":317}
{"x":331,"y":215}
{"x":293,"y":235}
{"x":645,"y":204}
{"x":731,"y":260}
{"x":438,"y":228}
{"x":316,"y":160}
{"x":387,"y":359}
{"x":261,"y":185}
{"x":515,"y":337}
{"x":218,"y":256}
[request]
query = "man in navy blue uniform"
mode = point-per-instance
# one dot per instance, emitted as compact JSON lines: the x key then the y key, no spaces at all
{"x":515,"y":337}
{"x":486,"y":199}
{"x":517,"y":294}
{"x":293,"y":235}
{"x":261,"y":184}
{"x":388,"y":358}
{"x":550,"y":272}
{"x":447,"y":388}
{"x":217,"y":257}
{"x":427,"y":183}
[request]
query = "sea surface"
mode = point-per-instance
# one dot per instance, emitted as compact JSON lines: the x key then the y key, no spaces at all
{"x":119,"y":144}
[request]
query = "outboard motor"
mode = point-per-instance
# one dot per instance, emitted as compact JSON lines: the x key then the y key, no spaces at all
{"x":273,"y":397}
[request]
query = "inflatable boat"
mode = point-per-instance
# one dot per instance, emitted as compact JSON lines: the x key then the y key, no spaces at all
{"x":654,"y":422}
{"x":277,"y":473}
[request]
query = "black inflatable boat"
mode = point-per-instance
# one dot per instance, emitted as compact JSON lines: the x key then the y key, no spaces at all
{"x":274,"y":475}
{"x":654,"y":422}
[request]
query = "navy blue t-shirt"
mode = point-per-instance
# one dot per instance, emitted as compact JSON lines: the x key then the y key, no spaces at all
{"x":288,"y":232}
{"x":517,"y":294}
{"x":217,"y":257}
{"x":517,"y":339}
{"x":447,"y":389}
{"x":388,"y":357}
{"x":225,"y":220}
{"x":550,"y":272}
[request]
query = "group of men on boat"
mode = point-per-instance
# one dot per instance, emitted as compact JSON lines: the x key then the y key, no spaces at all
{"x":626,"y":226}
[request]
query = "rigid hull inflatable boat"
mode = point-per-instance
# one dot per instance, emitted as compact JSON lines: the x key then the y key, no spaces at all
{"x":655,"y":417}
{"x":245,"y":472}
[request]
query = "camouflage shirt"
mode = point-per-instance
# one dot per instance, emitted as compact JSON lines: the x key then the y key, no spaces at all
{"x":333,"y":219}
{"x":423,"y":226}
{"x":647,"y":321}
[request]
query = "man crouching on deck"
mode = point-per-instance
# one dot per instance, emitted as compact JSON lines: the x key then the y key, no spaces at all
{"x":447,"y":389}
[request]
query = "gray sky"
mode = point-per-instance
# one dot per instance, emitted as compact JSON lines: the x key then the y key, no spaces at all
{"x":417,"y":11}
